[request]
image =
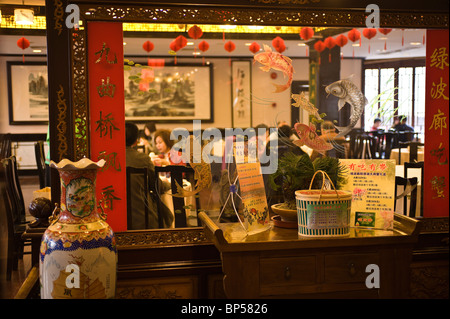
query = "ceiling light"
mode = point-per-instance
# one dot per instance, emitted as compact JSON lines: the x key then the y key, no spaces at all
{"x":190,"y":43}
{"x":24,"y":16}
{"x":228,"y":26}
{"x":355,"y":45}
{"x":256,"y":27}
{"x":415,"y":43}
{"x":301,"y":44}
{"x":37,"y":51}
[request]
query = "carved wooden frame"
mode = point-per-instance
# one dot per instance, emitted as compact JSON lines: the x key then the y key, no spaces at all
{"x":70,"y":126}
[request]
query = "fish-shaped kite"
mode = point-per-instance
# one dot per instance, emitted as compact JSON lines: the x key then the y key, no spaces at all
{"x":347,"y":92}
{"x":202,"y":173}
{"x":304,"y":103}
{"x":276,"y":61}
{"x":308,"y":136}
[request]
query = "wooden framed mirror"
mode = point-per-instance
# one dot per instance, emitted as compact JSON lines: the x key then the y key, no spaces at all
{"x":68,"y":69}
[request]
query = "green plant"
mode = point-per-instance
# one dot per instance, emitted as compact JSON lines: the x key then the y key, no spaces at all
{"x":295,"y":172}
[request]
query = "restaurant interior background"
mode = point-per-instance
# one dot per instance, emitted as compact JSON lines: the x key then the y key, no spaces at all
{"x":395,"y":59}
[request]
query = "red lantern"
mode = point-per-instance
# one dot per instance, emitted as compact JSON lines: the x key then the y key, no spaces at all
{"x":148,"y":46}
{"x":181,"y":41}
{"x":369,"y":33}
{"x":385,"y":32}
{"x":203,"y":46}
{"x":174,"y":46}
{"x":281,"y":48}
{"x":330,"y":43}
{"x":195,"y":32}
{"x":306,"y":33}
{"x":319,"y":46}
{"x":230,"y":46}
{"x":354,"y":35}
{"x":341,"y":41}
{"x":23,"y":43}
{"x":278,"y":43}
{"x":254,"y":47}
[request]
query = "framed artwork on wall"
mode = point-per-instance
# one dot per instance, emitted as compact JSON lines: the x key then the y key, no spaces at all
{"x":27,"y":92}
{"x":241,"y":94}
{"x":175,"y":93}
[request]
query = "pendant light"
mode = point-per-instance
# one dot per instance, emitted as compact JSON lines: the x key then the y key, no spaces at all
{"x":24,"y":16}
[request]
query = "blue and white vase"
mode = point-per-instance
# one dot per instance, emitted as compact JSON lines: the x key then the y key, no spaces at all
{"x":78,"y":257}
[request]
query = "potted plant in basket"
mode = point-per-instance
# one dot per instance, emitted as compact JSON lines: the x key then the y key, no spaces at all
{"x":295,"y":172}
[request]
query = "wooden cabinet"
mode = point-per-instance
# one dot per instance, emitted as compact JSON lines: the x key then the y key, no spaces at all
{"x":278,"y":263}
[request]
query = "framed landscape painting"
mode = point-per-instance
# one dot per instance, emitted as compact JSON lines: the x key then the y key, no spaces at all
{"x":175,"y":93}
{"x":27,"y":92}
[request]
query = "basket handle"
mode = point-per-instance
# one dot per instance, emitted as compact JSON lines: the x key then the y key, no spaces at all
{"x":323,"y":183}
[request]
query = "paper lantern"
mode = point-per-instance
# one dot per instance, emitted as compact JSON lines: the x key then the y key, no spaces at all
{"x":148,"y":46}
{"x":306,"y":33}
{"x":369,"y":33}
{"x":174,"y":46}
{"x":254,"y":47}
{"x":385,"y":32}
{"x":281,"y":48}
{"x":23,"y":43}
{"x":341,"y":41}
{"x":319,"y":46}
{"x":277,"y":43}
{"x":230,"y":46}
{"x":195,"y":32}
{"x":354,"y":35}
{"x":203,"y":46}
{"x":329,"y":43}
{"x":181,"y":41}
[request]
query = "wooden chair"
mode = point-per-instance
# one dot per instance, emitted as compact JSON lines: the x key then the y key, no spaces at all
{"x":363,"y":146}
{"x":409,"y":191}
{"x":5,"y":146}
{"x":390,"y":140}
{"x":177,"y":173}
{"x":40,"y":162}
{"x":141,"y":173}
{"x":419,"y":165}
{"x":15,"y":209}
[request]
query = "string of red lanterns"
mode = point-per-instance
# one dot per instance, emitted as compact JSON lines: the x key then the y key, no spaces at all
{"x":23,"y":43}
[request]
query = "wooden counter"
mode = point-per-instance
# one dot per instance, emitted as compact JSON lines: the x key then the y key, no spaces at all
{"x":278,"y":263}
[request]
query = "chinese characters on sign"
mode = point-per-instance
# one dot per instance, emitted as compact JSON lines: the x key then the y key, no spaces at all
{"x":436,"y":169}
{"x":372,"y":183}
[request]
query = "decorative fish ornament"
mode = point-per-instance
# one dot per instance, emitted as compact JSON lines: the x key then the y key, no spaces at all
{"x":202,"y":174}
{"x":308,"y":136}
{"x":304,"y":103}
{"x":347,"y":92}
{"x":276,"y":61}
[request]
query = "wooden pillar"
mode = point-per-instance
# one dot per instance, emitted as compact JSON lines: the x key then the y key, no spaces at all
{"x":59,"y":89}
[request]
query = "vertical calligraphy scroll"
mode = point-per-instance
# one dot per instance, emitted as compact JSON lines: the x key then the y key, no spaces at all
{"x":107,"y":117}
{"x":436,"y":171}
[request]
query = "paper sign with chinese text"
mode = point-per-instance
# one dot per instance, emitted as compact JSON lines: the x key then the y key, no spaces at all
{"x":372,"y":183}
{"x":253,"y":194}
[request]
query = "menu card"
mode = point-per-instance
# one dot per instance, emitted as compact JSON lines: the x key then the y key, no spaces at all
{"x":372,"y":183}
{"x":253,"y":194}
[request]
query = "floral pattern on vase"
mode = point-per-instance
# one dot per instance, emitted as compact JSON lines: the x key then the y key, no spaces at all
{"x":78,"y":257}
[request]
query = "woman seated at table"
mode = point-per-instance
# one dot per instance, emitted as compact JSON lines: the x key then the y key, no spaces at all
{"x":164,"y":145}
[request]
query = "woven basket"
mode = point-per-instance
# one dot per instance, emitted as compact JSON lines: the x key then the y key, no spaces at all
{"x":323,"y":213}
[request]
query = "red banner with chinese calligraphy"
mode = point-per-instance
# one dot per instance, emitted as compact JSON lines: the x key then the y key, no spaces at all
{"x":107,"y":117}
{"x":436,"y":171}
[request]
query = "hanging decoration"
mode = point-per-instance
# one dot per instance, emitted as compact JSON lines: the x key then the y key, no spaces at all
{"x":384,"y":31}
{"x":195,"y":32}
{"x":230,"y":46}
{"x":330,"y":43}
{"x":319,"y":46}
{"x":354,"y":35}
{"x":369,"y":33}
{"x":278,"y":44}
{"x":181,"y":41}
{"x":148,"y":46}
{"x":403,"y":37}
{"x":254,"y":47}
{"x":306,"y":33}
{"x":203,"y":46}
{"x":174,"y":47}
{"x":23,"y":43}
{"x":341,"y":41}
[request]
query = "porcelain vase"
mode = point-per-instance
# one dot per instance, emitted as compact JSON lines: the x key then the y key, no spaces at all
{"x":78,"y":257}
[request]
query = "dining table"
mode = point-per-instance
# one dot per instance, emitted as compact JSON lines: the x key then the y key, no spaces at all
{"x":404,"y":154}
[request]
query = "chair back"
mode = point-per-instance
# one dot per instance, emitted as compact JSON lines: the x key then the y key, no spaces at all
{"x":177,"y":173}
{"x":40,"y":162}
{"x":419,"y":165}
{"x":5,"y":145}
{"x":137,"y":197}
{"x":14,"y":190}
{"x":361,"y":146}
{"x":409,"y":191}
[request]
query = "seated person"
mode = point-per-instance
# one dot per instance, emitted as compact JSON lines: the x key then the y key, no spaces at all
{"x":164,"y":145}
{"x":376,"y":125}
{"x":137,"y":159}
{"x":147,"y":139}
{"x":404,"y":129}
